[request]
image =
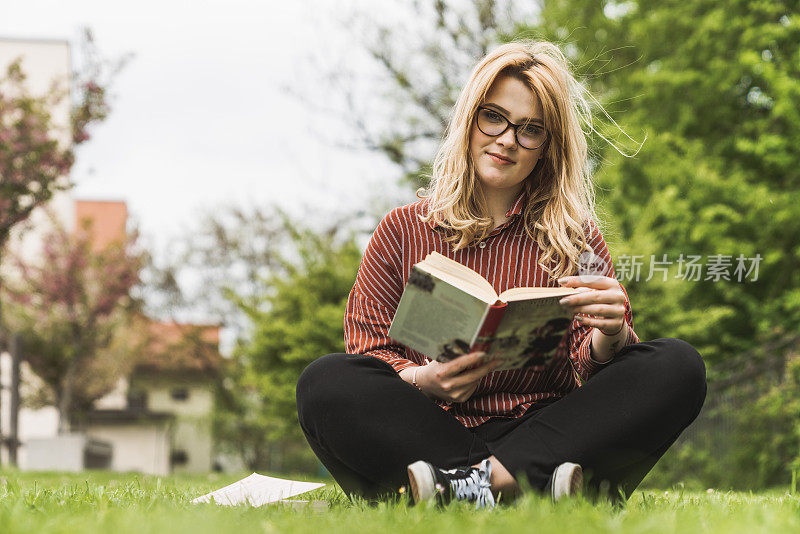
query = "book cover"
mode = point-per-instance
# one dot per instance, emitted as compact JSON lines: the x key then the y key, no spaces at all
{"x":435,"y":318}
{"x":443,"y":322}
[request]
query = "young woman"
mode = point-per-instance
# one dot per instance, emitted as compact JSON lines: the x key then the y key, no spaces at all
{"x":511,"y":198}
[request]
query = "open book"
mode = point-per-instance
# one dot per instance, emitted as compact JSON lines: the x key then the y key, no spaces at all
{"x":258,"y":490}
{"x":448,"y":310}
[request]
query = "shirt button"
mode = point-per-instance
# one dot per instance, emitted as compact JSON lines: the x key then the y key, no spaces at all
{"x":482,"y":244}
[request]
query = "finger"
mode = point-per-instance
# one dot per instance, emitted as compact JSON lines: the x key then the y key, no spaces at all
{"x":597,"y":296}
{"x":609,"y":311}
{"x":589,"y":280}
{"x":473,"y":375}
{"x":456,"y":366}
{"x":465,"y":393}
{"x":609,"y":325}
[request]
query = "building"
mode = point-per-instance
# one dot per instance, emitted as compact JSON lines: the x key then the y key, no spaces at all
{"x":158,"y":418}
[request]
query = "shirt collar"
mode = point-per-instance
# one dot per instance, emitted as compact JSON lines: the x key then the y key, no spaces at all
{"x":514,"y":210}
{"x":516,"y":207}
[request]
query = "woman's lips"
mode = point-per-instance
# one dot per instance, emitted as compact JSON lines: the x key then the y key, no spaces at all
{"x":500,"y":160}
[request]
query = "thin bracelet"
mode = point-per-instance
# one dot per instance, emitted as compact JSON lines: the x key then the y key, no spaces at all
{"x":414,"y":378}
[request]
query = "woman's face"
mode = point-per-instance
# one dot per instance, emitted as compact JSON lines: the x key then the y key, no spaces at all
{"x":500,"y":162}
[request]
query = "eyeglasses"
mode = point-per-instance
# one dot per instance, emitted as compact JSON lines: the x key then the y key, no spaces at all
{"x":529,"y":135}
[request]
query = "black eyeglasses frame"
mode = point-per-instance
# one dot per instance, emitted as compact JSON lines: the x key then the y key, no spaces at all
{"x":509,"y":124}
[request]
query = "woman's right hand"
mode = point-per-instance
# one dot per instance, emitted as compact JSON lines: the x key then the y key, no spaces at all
{"x":456,"y":380}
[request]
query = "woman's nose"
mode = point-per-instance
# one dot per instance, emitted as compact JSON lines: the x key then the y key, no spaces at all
{"x":507,"y":138}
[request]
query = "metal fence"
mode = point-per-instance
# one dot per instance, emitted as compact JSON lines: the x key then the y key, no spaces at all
{"x":733,"y":387}
{"x":735,"y":384}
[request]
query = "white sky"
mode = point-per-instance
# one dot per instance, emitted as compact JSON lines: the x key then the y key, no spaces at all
{"x":201,"y":116}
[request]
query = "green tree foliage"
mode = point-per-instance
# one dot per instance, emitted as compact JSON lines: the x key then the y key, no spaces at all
{"x":749,"y":436}
{"x":712,"y":86}
{"x":296,"y":320}
{"x":708,"y":86}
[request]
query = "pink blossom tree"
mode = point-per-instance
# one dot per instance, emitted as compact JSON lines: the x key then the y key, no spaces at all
{"x":34,"y":159}
{"x":75,"y":311}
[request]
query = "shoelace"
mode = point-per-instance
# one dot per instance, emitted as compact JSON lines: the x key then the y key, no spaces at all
{"x":475,"y":486}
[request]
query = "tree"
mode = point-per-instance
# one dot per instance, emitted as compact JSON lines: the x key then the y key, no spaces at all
{"x":297,"y":319}
{"x":421,"y":59}
{"x":73,"y":308}
{"x":235,"y":269}
{"x":231,"y":252}
{"x":34,"y":158}
{"x":712,"y":86}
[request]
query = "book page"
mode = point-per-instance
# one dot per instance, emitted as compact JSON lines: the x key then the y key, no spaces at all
{"x":524,"y":293}
{"x":530,"y":333}
{"x":459,"y":276}
{"x":257,"y":490}
{"x":436,"y":318}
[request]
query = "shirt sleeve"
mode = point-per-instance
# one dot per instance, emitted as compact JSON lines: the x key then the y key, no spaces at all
{"x":374,"y":298}
{"x":580,"y":336}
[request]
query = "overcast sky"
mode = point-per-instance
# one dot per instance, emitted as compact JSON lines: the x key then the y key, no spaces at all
{"x":201,"y":116}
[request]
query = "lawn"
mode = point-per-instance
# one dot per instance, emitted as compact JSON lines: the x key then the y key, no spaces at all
{"x":121,"y":503}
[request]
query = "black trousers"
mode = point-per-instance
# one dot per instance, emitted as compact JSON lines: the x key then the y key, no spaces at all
{"x":366,"y":424}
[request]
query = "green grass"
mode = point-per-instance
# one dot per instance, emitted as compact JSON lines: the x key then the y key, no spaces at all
{"x":120,"y":503}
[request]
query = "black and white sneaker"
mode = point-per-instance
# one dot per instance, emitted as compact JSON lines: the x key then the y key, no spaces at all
{"x":566,"y":481}
{"x":471,"y":484}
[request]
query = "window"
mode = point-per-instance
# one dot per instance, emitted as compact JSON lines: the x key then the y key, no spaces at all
{"x":178,"y":457}
{"x":179,"y":394}
{"x":137,"y":400}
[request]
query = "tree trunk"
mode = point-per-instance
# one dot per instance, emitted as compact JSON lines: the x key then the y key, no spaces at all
{"x":65,"y":398}
{"x":2,"y":327}
{"x":2,"y":350}
{"x":13,"y":404}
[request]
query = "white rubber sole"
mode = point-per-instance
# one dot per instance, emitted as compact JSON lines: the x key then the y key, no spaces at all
{"x":567,"y":481}
{"x":422,"y":481}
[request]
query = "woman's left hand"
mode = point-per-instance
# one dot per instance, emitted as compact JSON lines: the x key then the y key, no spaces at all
{"x":606,"y":303}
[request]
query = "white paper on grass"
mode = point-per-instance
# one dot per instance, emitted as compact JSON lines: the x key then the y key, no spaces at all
{"x":257,"y":490}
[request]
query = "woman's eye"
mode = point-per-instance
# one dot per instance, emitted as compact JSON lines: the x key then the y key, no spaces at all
{"x":492,"y":116}
{"x":532,"y":130}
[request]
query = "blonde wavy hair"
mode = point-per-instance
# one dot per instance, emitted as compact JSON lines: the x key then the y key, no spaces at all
{"x":560,"y":193}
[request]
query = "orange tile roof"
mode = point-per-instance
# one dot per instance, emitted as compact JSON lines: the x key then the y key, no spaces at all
{"x":107,"y":221}
{"x":180,"y":347}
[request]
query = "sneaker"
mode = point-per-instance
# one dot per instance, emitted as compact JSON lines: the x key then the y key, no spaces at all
{"x":566,"y":481}
{"x":471,"y":484}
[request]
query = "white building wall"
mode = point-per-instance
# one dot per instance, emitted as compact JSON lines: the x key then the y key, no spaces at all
{"x":141,"y":447}
{"x":192,"y":427}
{"x":199,"y":402}
{"x":116,"y":399}
{"x":33,"y":423}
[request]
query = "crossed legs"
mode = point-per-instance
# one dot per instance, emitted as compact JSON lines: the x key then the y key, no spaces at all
{"x":366,"y":424}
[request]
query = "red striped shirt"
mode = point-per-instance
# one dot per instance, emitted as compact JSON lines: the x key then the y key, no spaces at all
{"x":507,"y":258}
